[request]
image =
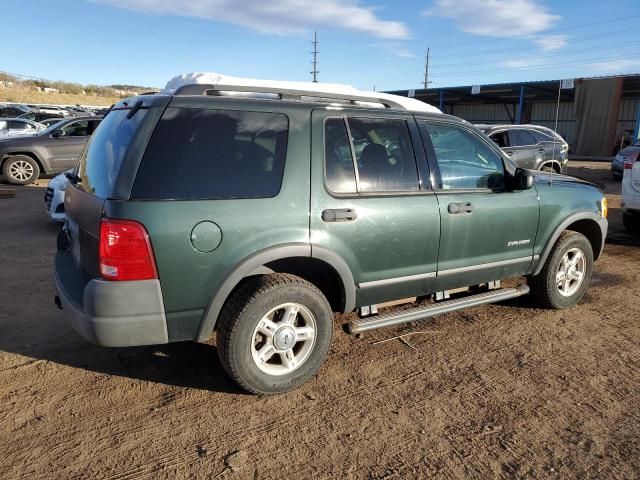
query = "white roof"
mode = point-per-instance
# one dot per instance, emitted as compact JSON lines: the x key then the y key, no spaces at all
{"x":211,"y":78}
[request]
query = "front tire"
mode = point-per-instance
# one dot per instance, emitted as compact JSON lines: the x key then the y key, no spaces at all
{"x":274,"y":333}
{"x":21,"y":170}
{"x":565,"y":277}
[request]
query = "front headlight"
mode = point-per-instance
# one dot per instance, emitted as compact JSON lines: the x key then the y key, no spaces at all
{"x":604,"y":209}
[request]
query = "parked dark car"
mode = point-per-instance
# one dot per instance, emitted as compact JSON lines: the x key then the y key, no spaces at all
{"x":627,"y":154}
{"x":52,"y":150}
{"x":17,"y":111}
{"x":531,"y":146}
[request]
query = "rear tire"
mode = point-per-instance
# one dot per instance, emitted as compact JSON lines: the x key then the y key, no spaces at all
{"x":631,"y":223}
{"x":274,"y":333}
{"x":21,"y":170}
{"x":565,"y":277}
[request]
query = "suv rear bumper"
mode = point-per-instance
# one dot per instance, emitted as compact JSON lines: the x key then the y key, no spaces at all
{"x":111,"y":314}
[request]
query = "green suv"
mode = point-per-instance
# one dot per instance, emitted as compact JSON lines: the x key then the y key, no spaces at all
{"x":257,"y":213}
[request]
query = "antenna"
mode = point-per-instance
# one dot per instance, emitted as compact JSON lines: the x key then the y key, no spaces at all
{"x":314,"y":62}
{"x":426,"y":80}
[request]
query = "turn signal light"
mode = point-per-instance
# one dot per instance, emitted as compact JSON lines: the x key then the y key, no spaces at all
{"x":125,"y":251}
{"x":604,"y":208}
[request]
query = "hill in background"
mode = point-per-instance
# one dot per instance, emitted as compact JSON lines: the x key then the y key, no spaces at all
{"x":15,"y":89}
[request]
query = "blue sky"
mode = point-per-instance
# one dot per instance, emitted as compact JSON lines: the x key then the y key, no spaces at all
{"x":365,"y":43}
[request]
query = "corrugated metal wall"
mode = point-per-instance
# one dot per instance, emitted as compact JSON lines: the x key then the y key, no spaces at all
{"x":627,"y":116}
{"x":483,"y":113}
{"x":539,"y":113}
{"x":544,"y":113}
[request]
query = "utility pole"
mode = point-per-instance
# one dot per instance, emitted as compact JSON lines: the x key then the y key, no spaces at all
{"x":426,"y":81}
{"x":314,"y":62}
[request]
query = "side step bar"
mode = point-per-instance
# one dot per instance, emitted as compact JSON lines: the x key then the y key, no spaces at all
{"x":419,"y":313}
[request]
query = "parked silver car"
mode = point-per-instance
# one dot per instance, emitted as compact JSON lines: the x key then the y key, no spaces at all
{"x":531,"y":146}
{"x":11,"y":127}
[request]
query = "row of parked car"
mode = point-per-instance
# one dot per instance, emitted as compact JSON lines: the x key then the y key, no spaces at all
{"x":22,"y":119}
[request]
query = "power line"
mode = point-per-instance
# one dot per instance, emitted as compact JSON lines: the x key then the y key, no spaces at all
{"x":563,"y":53}
{"x":495,"y":71}
{"x":314,"y":62}
{"x":549,"y":32}
{"x":615,"y":33}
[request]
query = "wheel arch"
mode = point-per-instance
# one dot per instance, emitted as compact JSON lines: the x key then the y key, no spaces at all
{"x":27,"y":153}
{"x":325,"y":269}
{"x":557,"y":166}
{"x":588,"y":224}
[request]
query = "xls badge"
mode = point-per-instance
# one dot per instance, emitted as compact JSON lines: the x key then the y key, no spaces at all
{"x":514,"y":243}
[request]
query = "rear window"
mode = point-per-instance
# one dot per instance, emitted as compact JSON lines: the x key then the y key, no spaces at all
{"x":100,"y":162}
{"x":213,"y":154}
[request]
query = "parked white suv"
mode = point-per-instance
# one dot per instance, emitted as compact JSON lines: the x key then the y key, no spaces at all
{"x":631,"y":194}
{"x":54,"y":196}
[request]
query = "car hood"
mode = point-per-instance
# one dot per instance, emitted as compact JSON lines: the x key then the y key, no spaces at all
{"x":556,"y":178}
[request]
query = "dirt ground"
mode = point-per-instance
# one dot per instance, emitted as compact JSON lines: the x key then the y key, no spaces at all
{"x":500,"y":391}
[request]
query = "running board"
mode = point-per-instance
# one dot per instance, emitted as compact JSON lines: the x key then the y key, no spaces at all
{"x":419,"y":313}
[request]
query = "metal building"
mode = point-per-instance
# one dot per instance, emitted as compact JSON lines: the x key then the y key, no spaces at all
{"x":595,"y":115}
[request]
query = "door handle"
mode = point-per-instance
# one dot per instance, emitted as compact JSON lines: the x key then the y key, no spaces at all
{"x":509,"y":153}
{"x":339,"y":215}
{"x":458,"y":208}
{"x":540,"y":150}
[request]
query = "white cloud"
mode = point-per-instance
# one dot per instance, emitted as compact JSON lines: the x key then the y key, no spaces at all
{"x":396,"y":49}
{"x":615,"y":66}
{"x":551,"y":42}
{"x":275,"y":16}
{"x":496,"y":18}
{"x":521,"y":63}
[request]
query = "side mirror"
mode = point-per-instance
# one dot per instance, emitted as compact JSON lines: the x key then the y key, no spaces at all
{"x":522,"y":180}
{"x":57,"y":134}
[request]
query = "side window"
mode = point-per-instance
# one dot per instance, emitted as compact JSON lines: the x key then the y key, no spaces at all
{"x":384,"y":154}
{"x":541,"y":136}
{"x":340,"y":174}
{"x":464,"y":160}
{"x":213,"y":154}
{"x":500,"y":138}
{"x":384,"y":157}
{"x":77,"y":129}
{"x":93,"y":124}
{"x":521,"y":138}
{"x":14,"y":125}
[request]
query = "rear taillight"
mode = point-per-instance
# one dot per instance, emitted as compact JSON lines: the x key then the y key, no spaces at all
{"x":630,"y":160}
{"x":125,"y":251}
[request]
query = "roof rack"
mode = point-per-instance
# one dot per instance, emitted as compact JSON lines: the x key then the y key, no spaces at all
{"x":286,"y":94}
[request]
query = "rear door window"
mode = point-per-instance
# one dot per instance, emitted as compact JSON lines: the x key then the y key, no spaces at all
{"x":521,"y":138}
{"x":542,"y":136}
{"x":76,"y":129}
{"x":378,"y":157}
{"x":213,"y":154}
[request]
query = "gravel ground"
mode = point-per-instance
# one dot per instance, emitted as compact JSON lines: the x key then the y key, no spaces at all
{"x":499,"y":391}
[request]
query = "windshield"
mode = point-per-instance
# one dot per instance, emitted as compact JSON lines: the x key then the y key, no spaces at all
{"x":53,"y":126}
